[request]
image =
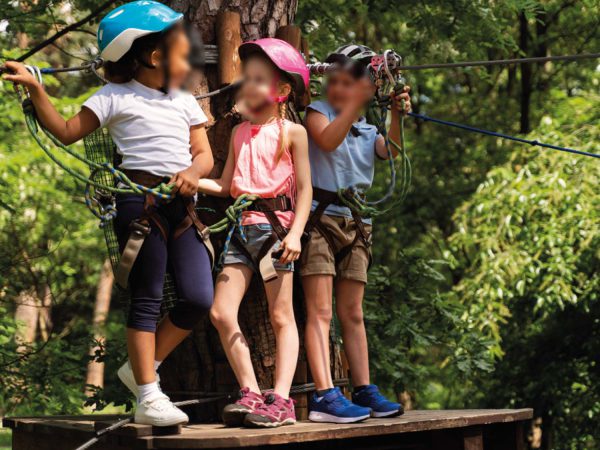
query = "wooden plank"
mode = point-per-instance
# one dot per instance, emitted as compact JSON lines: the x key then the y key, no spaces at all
{"x":217,"y":436}
{"x":213,"y":436}
{"x":134,"y":430}
{"x":11,"y":422}
{"x":229,"y":38}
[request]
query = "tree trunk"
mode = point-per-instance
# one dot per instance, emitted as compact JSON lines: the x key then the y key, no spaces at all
{"x":199,"y":366}
{"x":27,"y":313}
{"x":95,"y":370}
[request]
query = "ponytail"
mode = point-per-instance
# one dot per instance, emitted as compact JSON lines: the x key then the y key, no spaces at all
{"x":283,"y":137}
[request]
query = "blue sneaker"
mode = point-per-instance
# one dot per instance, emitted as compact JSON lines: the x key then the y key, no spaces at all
{"x":370,"y":397}
{"x":335,"y":408}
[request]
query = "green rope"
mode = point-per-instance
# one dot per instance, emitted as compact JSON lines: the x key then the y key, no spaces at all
{"x":233,"y":212}
{"x":353,"y":198}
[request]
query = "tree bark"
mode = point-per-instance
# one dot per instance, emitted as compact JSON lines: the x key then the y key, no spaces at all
{"x":199,"y":366}
{"x":27,"y":313}
{"x":95,"y":370}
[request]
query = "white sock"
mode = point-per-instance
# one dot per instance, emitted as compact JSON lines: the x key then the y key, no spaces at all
{"x":148,"y":391}
{"x":157,"y":365}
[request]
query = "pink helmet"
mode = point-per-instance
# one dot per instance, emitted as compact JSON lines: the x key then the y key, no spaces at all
{"x":284,"y":56}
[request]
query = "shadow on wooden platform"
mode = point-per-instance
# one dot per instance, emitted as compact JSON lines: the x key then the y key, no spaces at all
{"x":416,"y":430}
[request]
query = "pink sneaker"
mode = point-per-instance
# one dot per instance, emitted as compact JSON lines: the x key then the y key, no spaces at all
{"x":247,"y":402}
{"x":274,"y":412}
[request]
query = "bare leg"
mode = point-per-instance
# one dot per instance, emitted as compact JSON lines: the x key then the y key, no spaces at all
{"x":349,"y":298}
{"x":318,"y":293}
{"x":281,"y":311}
{"x":168,"y":336}
{"x":232,"y":284}
{"x":140,"y":346}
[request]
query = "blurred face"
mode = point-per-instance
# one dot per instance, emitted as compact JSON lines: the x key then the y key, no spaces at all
{"x":343,"y":88}
{"x":179,"y":52}
{"x":261,"y":83}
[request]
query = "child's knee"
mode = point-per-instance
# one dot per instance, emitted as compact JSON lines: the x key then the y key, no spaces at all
{"x":221,"y":319}
{"x":350,"y":314}
{"x":282,"y":317}
{"x":192,"y":307}
{"x":144,"y":313}
{"x":321,"y":312}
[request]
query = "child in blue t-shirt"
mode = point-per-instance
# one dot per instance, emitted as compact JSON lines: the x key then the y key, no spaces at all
{"x":342,"y":150}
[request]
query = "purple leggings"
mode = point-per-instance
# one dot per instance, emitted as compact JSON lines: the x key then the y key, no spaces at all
{"x":185,"y":257}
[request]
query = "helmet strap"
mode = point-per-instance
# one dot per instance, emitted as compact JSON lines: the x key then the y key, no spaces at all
{"x":273,"y":97}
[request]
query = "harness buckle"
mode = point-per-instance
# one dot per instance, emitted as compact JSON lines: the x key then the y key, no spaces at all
{"x":204,"y":234}
{"x":141,"y":228}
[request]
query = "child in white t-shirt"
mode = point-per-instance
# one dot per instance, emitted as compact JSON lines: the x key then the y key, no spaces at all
{"x":160,"y":136}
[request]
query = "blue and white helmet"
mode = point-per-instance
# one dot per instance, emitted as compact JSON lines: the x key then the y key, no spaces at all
{"x":123,"y":25}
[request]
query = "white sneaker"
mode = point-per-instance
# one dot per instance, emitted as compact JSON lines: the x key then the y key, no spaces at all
{"x":160,"y":412}
{"x":125,"y":374}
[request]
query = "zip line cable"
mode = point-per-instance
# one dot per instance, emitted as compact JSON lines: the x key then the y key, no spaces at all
{"x":502,"y":62}
{"x":532,"y":142}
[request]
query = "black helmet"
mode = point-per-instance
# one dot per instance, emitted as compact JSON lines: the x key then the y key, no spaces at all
{"x":352,"y":57}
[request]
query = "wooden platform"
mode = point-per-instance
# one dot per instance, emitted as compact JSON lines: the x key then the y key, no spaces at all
{"x":416,"y":430}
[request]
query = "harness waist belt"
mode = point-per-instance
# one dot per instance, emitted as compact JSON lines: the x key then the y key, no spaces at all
{"x":146,"y":179}
{"x":328,"y":197}
{"x":280,"y":203}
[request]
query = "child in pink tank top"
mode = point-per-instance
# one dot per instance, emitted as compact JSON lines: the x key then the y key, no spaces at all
{"x":258,"y":169}
{"x":268,"y":158}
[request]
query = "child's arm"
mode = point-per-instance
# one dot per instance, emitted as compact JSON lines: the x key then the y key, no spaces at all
{"x":220,"y":187}
{"x":329,"y":135}
{"x":67,"y":132}
{"x":394,"y":133}
{"x":291,"y":244}
{"x":186,"y":181}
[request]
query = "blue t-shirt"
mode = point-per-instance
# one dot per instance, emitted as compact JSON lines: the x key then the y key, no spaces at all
{"x":351,"y":164}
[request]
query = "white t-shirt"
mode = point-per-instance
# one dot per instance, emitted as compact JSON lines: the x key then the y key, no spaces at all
{"x":150,"y":129}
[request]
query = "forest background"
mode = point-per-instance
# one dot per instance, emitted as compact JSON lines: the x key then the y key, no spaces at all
{"x":485,"y":288}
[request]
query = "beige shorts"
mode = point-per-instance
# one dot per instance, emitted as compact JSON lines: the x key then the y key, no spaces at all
{"x":318,"y":258}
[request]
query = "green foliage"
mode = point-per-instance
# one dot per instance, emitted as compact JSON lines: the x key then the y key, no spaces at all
{"x":49,"y":242}
{"x":510,"y":318}
{"x":410,"y":325}
{"x":526,"y":254}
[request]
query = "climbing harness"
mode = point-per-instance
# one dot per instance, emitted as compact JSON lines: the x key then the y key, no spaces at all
{"x":324,"y":199}
{"x":140,"y":228}
{"x":263,"y":259}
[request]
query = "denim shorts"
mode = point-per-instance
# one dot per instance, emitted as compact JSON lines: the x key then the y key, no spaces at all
{"x":256,"y":235}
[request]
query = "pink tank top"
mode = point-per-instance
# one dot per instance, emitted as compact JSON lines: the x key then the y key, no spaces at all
{"x":258,"y":172}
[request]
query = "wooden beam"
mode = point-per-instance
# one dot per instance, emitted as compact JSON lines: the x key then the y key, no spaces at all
{"x":229,"y":38}
{"x":473,"y":438}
